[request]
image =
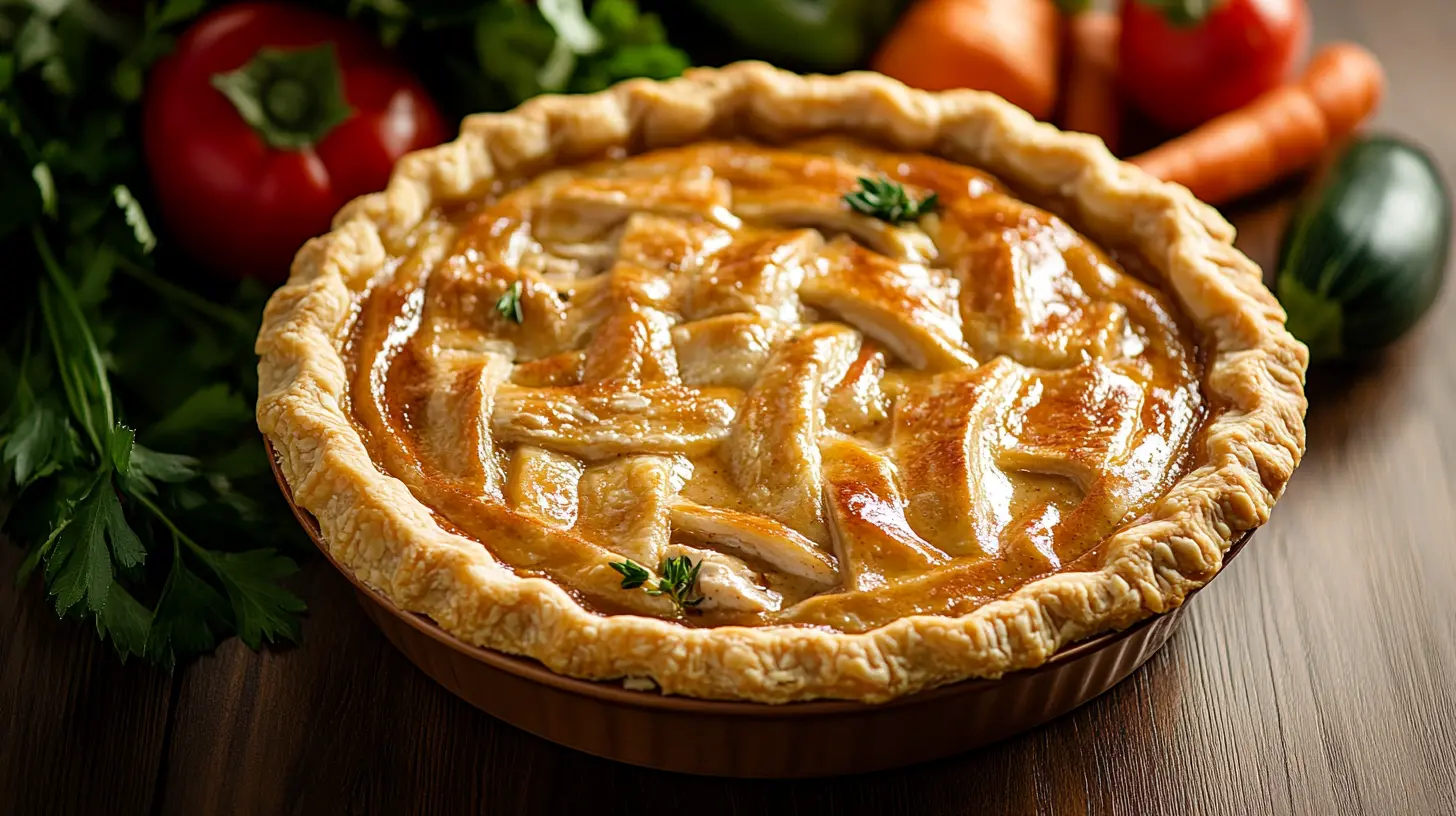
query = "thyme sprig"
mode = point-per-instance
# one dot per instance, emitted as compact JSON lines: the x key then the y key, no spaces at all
{"x":888,"y":201}
{"x":678,"y":582}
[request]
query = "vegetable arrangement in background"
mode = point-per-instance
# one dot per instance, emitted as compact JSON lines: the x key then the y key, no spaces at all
{"x":130,"y":467}
{"x":1216,"y":75}
{"x":130,"y":464}
{"x":1282,"y":132}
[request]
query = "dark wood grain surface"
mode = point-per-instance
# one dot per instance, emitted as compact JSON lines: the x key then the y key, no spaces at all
{"x":1318,"y":676}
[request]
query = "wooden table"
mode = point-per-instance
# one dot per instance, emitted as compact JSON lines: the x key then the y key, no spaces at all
{"x":1318,"y":676}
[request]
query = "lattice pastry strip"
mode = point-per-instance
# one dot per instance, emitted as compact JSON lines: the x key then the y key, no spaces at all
{"x":728,"y":350}
{"x":773,"y":450}
{"x":760,"y":274}
{"x":945,"y":442}
{"x":898,"y":304}
{"x":867,"y":523}
{"x":1034,"y":289}
{"x":545,"y":484}
{"x":758,"y":537}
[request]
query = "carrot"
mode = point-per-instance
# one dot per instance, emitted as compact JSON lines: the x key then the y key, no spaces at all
{"x":1091,"y":101}
{"x":1346,"y":82}
{"x":1280,"y":133}
{"x":1008,"y":47}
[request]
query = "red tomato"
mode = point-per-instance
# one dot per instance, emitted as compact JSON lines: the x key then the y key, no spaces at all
{"x":1182,"y":76}
{"x":230,"y":197}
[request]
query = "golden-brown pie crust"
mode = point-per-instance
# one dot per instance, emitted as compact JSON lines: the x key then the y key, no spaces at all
{"x":1254,"y":374}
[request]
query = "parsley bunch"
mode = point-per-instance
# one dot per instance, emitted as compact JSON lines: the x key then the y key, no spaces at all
{"x":130,"y":462}
{"x":111,"y":371}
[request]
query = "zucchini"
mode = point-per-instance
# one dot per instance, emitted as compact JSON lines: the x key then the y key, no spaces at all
{"x":1365,"y":254}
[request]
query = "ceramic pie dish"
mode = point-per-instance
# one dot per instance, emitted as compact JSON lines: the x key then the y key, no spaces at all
{"x":766,"y":389}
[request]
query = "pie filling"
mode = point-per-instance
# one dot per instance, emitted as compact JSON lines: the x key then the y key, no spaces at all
{"x":706,"y":352}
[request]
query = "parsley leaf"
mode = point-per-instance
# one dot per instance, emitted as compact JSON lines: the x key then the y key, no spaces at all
{"x":125,"y":622}
{"x":126,"y":547}
{"x":149,"y":467}
{"x":79,"y":567}
{"x":555,"y":46}
{"x":40,"y":444}
{"x":189,"y":616}
{"x":262,"y":609}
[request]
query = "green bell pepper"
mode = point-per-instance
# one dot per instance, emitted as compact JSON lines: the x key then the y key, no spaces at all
{"x":826,"y":35}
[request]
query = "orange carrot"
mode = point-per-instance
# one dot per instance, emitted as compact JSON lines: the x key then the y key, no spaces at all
{"x":1346,"y":82}
{"x":1091,"y":101}
{"x":1008,"y":47}
{"x":1280,"y":133}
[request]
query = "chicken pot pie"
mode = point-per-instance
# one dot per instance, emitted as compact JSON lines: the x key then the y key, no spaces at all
{"x":769,"y":387}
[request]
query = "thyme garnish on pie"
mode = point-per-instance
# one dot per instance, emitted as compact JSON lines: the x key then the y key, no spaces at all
{"x":678,"y":582}
{"x":888,"y":201}
{"x":509,"y":304}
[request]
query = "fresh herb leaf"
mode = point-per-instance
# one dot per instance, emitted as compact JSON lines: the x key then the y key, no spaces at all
{"x":678,"y":582}
{"x":189,"y":616}
{"x":125,"y":622}
{"x":262,"y":608}
{"x":570,"y":23}
{"x":557,"y":47}
{"x":126,"y":547}
{"x":79,"y":566}
{"x":41,"y":443}
{"x":509,"y":304}
{"x":135,"y":218}
{"x":637,"y":47}
{"x":634,"y":574}
{"x":122,"y":439}
{"x":149,"y":467}
{"x":888,"y":201}
{"x":45,"y":184}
